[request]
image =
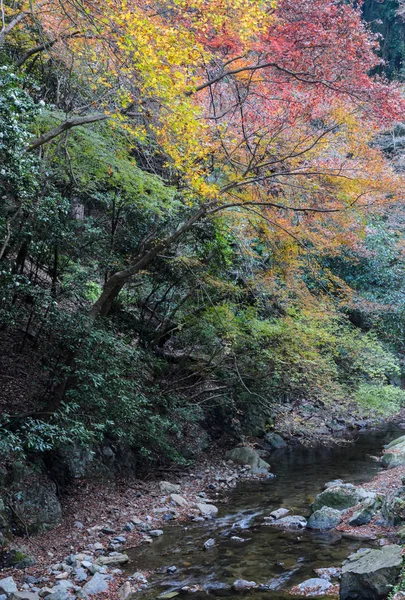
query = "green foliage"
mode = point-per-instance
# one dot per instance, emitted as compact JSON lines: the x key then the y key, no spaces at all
{"x":384,"y":400}
{"x":296,"y":356}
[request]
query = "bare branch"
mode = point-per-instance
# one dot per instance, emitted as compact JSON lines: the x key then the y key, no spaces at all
{"x":65,"y":126}
{"x":45,"y":46}
{"x":13,"y":23}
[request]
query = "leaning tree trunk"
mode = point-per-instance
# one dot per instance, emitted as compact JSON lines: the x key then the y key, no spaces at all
{"x":111,"y":290}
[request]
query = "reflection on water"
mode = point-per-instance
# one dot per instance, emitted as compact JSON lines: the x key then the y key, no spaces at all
{"x":278,"y":559}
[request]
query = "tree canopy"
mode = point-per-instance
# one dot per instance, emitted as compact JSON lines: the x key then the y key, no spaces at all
{"x":186,"y":184}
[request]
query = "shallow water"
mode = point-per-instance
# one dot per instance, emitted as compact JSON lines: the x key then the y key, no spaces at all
{"x":269,"y":555}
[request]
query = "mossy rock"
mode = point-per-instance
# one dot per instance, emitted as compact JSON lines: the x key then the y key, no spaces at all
{"x":244,"y":455}
{"x":398,"y":442}
{"x":394,"y":459}
{"x":338,"y":497}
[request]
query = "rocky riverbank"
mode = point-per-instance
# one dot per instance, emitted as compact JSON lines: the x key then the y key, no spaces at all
{"x":83,"y":556}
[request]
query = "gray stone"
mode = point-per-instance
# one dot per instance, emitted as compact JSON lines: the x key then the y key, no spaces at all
{"x":8,"y":585}
{"x":34,"y":504}
{"x":369,"y":575}
{"x":274,"y":440}
{"x":113,"y":559}
{"x":207,"y":510}
{"x":156,"y":532}
{"x":393,"y":507}
{"x":169,"y":488}
{"x":241,"y":585}
{"x":290,"y":522}
{"x":76,"y":459}
{"x":244,"y":455}
{"x":125,"y":592}
{"x":91,"y":567}
{"x":316,"y":586}
{"x":217,"y":588}
{"x":329,"y":572}
{"x":279,"y":513}
{"x":171,"y":569}
{"x":80,"y":574}
{"x":23,"y":596}
{"x":139,"y":577}
{"x":396,"y":442}
{"x":339,"y":497}
{"x":393,"y":459}
{"x":97,"y":584}
{"x":209,"y":544}
{"x":325,"y":518}
{"x":333,"y":483}
{"x":178,"y":500}
{"x":59,"y":595}
{"x":361,"y":517}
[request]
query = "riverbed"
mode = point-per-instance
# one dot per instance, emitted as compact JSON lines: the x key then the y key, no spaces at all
{"x":274,"y":558}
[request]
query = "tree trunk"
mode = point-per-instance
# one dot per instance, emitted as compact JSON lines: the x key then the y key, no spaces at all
{"x":111,"y":290}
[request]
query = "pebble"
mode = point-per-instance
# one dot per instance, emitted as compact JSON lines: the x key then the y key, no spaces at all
{"x":178,"y":500}
{"x":209,"y":544}
{"x":156,"y":532}
{"x":279,"y":513}
{"x":112,"y":559}
{"x":242,"y":584}
{"x":139,"y":577}
{"x":171,"y":569}
{"x":107,"y":530}
{"x":207,"y":509}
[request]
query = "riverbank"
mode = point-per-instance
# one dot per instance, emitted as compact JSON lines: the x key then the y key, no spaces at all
{"x":103,"y":519}
{"x":100,"y":519}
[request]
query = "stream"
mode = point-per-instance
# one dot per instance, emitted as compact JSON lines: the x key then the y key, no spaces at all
{"x":278,"y":558}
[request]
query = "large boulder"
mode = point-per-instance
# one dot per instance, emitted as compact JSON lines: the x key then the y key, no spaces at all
{"x":274,"y":441}
{"x":395,"y":454}
{"x":325,"y":518}
{"x":370,"y":574}
{"x":33,"y":503}
{"x":394,"y":459}
{"x":340,"y":497}
{"x":244,"y":455}
{"x":398,"y":441}
{"x":166,"y":487}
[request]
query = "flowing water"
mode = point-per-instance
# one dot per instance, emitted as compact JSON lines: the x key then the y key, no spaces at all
{"x":280,"y":559}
